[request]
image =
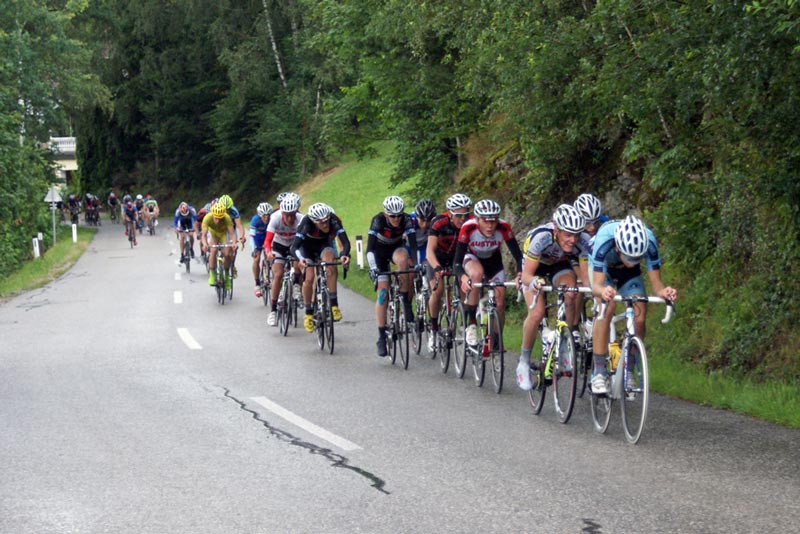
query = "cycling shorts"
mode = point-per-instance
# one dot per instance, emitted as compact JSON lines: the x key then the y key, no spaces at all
{"x":492,"y":267}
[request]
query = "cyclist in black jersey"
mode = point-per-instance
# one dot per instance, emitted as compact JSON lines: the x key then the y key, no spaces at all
{"x":313,"y":242}
{"x":384,"y":246}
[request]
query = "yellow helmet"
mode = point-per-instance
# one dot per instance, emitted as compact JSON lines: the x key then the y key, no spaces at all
{"x":218,"y":210}
{"x":226,"y":201}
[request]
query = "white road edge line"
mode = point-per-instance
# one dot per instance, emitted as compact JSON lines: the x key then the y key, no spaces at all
{"x":177,"y":297}
{"x":188,"y":339}
{"x":306,"y":425}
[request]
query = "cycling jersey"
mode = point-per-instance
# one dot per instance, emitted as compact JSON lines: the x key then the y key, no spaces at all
{"x":218,"y":228}
{"x":131,"y":212}
{"x":383,"y":239}
{"x":606,"y":259}
{"x":541,"y":245}
{"x":257,"y":233}
{"x":446,"y":234}
{"x":422,"y":238}
{"x":151,"y":205}
{"x":112,"y":201}
{"x":473,"y":245}
{"x":184,"y":222}
{"x":310,"y":241}
{"x":139,"y":205}
{"x":280,"y":233}
{"x":233,"y":213}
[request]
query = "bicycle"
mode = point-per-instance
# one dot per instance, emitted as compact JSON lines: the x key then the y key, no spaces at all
{"x":265,"y":277}
{"x":629,"y":381}
{"x":447,"y":338}
{"x":421,"y":331}
{"x":490,"y":338}
{"x":219,"y":284}
{"x":131,"y":231}
{"x":73,"y":213}
{"x":288,"y":299}
{"x":151,"y":224}
{"x":558,"y":366}
{"x":186,"y":256}
{"x":397,"y":328}
{"x":112,"y":214}
{"x":323,"y":316}
{"x":584,"y":351}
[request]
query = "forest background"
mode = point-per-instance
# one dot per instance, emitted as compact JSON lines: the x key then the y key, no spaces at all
{"x":686,"y":113}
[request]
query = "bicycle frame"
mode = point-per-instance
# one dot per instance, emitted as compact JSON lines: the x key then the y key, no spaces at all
{"x":287,"y":300}
{"x":222,"y":293}
{"x":397,"y":330}
{"x":487,"y":348}
{"x":323,"y":316}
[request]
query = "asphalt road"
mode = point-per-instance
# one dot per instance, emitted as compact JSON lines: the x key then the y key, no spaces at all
{"x":112,"y":422}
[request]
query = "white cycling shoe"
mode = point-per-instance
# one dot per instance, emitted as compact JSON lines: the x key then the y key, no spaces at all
{"x":272,"y":319}
{"x":599,"y":385}
{"x":524,"y":376}
{"x":472,"y":335}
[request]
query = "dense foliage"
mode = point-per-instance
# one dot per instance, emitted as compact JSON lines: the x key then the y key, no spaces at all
{"x":684,"y":111}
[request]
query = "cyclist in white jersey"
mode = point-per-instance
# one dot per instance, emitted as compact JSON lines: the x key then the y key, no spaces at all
{"x":281,"y":230}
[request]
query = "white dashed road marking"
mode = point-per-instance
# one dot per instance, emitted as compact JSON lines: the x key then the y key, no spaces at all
{"x":177,"y":296}
{"x":188,"y":339}
{"x":306,"y":425}
{"x":177,"y":276}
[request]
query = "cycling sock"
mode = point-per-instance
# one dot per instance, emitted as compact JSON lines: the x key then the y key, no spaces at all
{"x":470,"y":311}
{"x":334,"y":299}
{"x":381,"y":332}
{"x":525,"y":356}
{"x":434,"y":324}
{"x":309,"y":309}
{"x":599,"y":363}
{"x":274,"y":303}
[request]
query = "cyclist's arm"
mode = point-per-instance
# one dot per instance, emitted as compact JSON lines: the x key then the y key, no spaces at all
{"x":658,"y":286}
{"x":529,"y":271}
{"x":458,"y":261}
{"x":372,"y":241}
{"x":345,"y":242}
{"x":412,"y":245}
{"x":513,"y":247}
{"x":239,"y":229}
{"x":430,"y":254}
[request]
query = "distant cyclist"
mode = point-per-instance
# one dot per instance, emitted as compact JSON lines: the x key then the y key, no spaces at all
{"x":258,"y":232}
{"x":233,"y":213}
{"x":589,"y":206}
{"x":423,"y":214}
{"x":281,"y":231}
{"x":139,"y":204}
{"x":184,"y":221}
{"x":130,"y":215}
{"x":151,"y":210}
{"x":219,"y":227}
{"x":312,"y":243}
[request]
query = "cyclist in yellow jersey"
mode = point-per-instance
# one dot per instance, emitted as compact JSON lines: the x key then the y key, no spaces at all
{"x":219,"y":226}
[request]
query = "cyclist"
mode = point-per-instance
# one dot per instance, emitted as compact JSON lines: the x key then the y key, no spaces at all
{"x":478,"y":258}
{"x":233,"y":213}
{"x":314,"y":242}
{"x":281,"y":231}
{"x":589,"y":206}
{"x":139,"y":205}
{"x":258,"y":232}
{"x":151,"y":210}
{"x":130,"y":214}
{"x":112,"y":201}
{"x":553,"y":252}
{"x":441,"y":249}
{"x":201,"y":213}
{"x":423,"y":214}
{"x":619,"y":249}
{"x":184,"y":219}
{"x":219,"y":226}
{"x":384,"y":245}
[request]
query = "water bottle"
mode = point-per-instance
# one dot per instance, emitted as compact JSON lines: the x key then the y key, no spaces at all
{"x":548,"y":338}
{"x":614,"y":351}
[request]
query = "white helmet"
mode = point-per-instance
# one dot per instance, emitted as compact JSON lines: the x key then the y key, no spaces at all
{"x":281,"y":196}
{"x":631,"y":237}
{"x":264,"y":208}
{"x":589,"y":206}
{"x":568,"y":218}
{"x":487,"y":208}
{"x":139,"y":197}
{"x":393,"y":205}
{"x":319,"y":211}
{"x":290,"y":202}
{"x":459,"y":200}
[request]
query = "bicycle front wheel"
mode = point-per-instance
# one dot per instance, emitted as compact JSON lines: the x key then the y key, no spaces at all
{"x":418,"y":326}
{"x":444,"y":340}
{"x":539,"y":390}
{"x":564,"y":376}
{"x":328,"y":325}
{"x":496,"y":351}
{"x":319,"y":322}
{"x":476,"y":354}
{"x":403,"y":339}
{"x":635,"y":390}
{"x":459,"y":342}
{"x":284,"y":310}
{"x":391,"y":331}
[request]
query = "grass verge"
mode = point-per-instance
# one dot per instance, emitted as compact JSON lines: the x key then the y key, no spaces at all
{"x":356,"y":188}
{"x":55,"y":262}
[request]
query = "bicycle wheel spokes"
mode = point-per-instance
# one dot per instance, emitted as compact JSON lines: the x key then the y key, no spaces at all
{"x":391,"y":332}
{"x":329,"y":326}
{"x":635,"y":391}
{"x":443,"y":340}
{"x":476,"y":355}
{"x":496,"y":351}
{"x":417,"y":327}
{"x":403,"y":339}
{"x":564,"y":376}
{"x":459,"y":344}
{"x":283,"y":307}
{"x":601,"y":412}
{"x":537,"y":393}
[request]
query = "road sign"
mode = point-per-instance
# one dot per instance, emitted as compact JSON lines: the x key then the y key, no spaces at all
{"x":52,"y":196}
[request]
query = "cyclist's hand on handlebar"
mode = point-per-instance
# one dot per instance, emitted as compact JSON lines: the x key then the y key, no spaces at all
{"x":608,"y":293}
{"x":536,"y":284}
{"x":373,"y":275}
{"x":466,"y":284}
{"x":668,"y":293}
{"x":345,"y":260}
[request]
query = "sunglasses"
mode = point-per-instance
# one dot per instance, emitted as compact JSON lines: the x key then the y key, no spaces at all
{"x":395,"y":216}
{"x":630,"y":260}
{"x":458,"y":215}
{"x":490,"y":219}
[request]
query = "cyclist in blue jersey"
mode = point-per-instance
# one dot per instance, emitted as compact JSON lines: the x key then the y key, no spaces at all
{"x":258,"y":232}
{"x":130,"y":214}
{"x":184,"y":220}
{"x":421,"y":217}
{"x":619,"y":249}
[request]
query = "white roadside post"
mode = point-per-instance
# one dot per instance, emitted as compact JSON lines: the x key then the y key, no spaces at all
{"x":360,"y":251}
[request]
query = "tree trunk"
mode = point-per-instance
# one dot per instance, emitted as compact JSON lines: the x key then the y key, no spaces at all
{"x":274,"y":46}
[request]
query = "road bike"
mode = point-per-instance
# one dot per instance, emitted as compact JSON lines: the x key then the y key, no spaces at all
{"x":73,"y":213}
{"x":219,"y":285}
{"x":151,"y":224}
{"x":420,"y":329}
{"x":186,"y":256}
{"x":558,"y":365}
{"x":626,"y":367}
{"x":131,"y":231}
{"x":288,"y":298}
{"x":584,"y":350}
{"x":397,"y":328}
{"x":490,"y":337}
{"x":112,"y":214}
{"x":323,"y":316}
{"x":265,"y":277}
{"x":446,"y":337}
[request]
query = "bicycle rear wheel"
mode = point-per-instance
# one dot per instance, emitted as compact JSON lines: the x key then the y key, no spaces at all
{"x":538,"y":392}
{"x":476,"y":355}
{"x":283,"y":308}
{"x":459,"y":343}
{"x":403,"y":338}
{"x":564,"y":376}
{"x":265,"y":281}
{"x":391,"y":331}
{"x":444,"y":340}
{"x":496,"y":350}
{"x":328,"y":324}
{"x":635,"y":391}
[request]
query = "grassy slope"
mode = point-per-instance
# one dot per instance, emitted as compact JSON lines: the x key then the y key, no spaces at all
{"x":355,"y":190}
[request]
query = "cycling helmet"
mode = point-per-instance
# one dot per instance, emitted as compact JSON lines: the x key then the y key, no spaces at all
{"x":281,"y":196}
{"x":218,"y":210}
{"x":183,"y":208}
{"x":487,"y":208}
{"x":631,"y":237}
{"x":569,"y":219}
{"x":226,"y":201}
{"x":264,"y":208}
{"x":139,"y":197}
{"x":319,"y":212}
{"x":290,"y":202}
{"x":393,"y":205}
{"x":459,"y":200}
{"x":331,"y":209}
{"x":112,"y":195}
{"x":425,"y":209}
{"x":589,"y":206}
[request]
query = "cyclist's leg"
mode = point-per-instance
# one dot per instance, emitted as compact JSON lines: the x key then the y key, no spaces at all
{"x":331,"y":276}
{"x":404,"y":262}
{"x":635,"y":287}
{"x":278,"y":266}
{"x":435,"y":300}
